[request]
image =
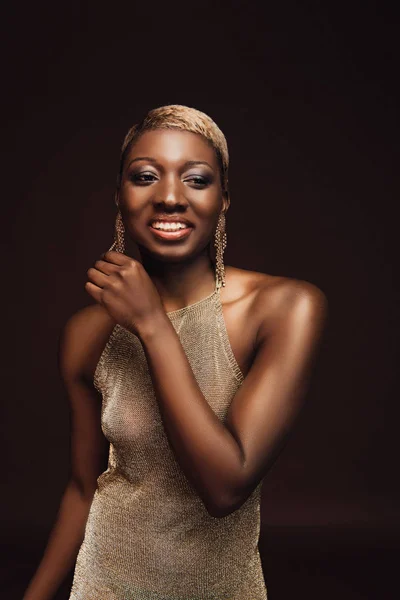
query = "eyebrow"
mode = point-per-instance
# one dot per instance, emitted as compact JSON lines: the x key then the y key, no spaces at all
{"x":188,"y":163}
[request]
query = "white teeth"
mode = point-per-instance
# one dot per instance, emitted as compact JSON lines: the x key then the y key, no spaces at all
{"x":168,"y":226}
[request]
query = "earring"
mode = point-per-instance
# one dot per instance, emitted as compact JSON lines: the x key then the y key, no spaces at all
{"x":119,"y":244}
{"x":220,"y":245}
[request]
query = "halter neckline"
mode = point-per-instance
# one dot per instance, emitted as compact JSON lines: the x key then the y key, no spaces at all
{"x":196,"y":304}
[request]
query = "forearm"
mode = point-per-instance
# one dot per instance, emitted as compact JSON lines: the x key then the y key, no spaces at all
{"x":205,"y":449}
{"x":62,"y":547}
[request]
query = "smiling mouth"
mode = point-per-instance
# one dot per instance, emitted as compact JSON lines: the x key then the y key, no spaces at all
{"x":174,"y":233}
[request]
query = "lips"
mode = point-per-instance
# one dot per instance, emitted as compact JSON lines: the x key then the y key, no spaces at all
{"x":171,"y":219}
{"x":178,"y":234}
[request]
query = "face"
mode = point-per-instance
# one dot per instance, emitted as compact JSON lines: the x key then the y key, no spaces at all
{"x":171,"y":175}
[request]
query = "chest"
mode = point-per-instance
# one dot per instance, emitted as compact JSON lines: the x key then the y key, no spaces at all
{"x":130,"y":412}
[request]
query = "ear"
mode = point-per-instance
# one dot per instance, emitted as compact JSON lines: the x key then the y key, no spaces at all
{"x":226,"y":201}
{"x":116,"y":198}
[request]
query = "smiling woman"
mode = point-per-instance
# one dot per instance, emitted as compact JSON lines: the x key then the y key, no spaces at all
{"x":186,"y":375}
{"x":157,"y":180}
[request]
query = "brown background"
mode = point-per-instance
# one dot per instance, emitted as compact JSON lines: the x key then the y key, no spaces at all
{"x":306,"y":97}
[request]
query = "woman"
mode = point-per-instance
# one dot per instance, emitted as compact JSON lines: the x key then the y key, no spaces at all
{"x":194,"y":372}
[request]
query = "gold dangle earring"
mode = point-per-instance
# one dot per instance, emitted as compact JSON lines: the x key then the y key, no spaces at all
{"x":119,"y":244}
{"x":220,"y":245}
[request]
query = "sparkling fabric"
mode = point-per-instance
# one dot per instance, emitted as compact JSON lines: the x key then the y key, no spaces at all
{"x":148,"y":535}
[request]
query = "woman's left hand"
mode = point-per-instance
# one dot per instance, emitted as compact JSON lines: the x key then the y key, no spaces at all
{"x":122,"y":285}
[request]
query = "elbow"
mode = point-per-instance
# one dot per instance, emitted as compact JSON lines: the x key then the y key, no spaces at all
{"x":218,"y":512}
{"x":224,"y":506}
{"x":225,"y":497}
{"x":84,"y":490}
{"x":226,"y":502}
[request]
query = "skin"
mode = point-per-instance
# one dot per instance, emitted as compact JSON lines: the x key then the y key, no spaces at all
{"x":274,"y":323}
{"x":274,"y":326}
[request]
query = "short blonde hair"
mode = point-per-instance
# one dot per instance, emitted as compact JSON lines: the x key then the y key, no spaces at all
{"x":177,"y":116}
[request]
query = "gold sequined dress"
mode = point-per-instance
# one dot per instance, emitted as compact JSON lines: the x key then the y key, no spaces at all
{"x":148,"y":535}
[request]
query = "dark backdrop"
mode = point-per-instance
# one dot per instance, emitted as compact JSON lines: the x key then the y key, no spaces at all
{"x":306,"y":96}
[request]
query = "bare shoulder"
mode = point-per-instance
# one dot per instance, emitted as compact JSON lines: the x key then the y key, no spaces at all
{"x":273,"y":297}
{"x":82,"y":340}
{"x":284,"y":293}
{"x":297,"y":304}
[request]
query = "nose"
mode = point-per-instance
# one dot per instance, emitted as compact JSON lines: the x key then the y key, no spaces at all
{"x":170,"y":191}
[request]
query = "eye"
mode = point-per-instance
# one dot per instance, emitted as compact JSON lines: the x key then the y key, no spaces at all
{"x":200,"y":181}
{"x":142,"y":177}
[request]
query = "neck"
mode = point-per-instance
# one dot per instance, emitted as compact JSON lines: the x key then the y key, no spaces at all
{"x":181,"y":283}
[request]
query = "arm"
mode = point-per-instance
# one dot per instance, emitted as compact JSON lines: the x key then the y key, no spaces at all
{"x":225,"y":462}
{"x":88,"y":454}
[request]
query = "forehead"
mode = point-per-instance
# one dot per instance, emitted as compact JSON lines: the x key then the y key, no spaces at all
{"x":172,"y":145}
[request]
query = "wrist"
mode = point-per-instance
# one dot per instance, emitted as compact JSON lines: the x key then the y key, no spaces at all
{"x":153,"y":327}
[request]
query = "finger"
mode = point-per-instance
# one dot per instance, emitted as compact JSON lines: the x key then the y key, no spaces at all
{"x":97,"y":277}
{"x":115,"y":257}
{"x":105,"y":267}
{"x":94,"y":291}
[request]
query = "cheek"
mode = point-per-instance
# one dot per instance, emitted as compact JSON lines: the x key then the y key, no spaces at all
{"x":206,"y":229}
{"x":133,"y":202}
{"x":207,"y":206}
